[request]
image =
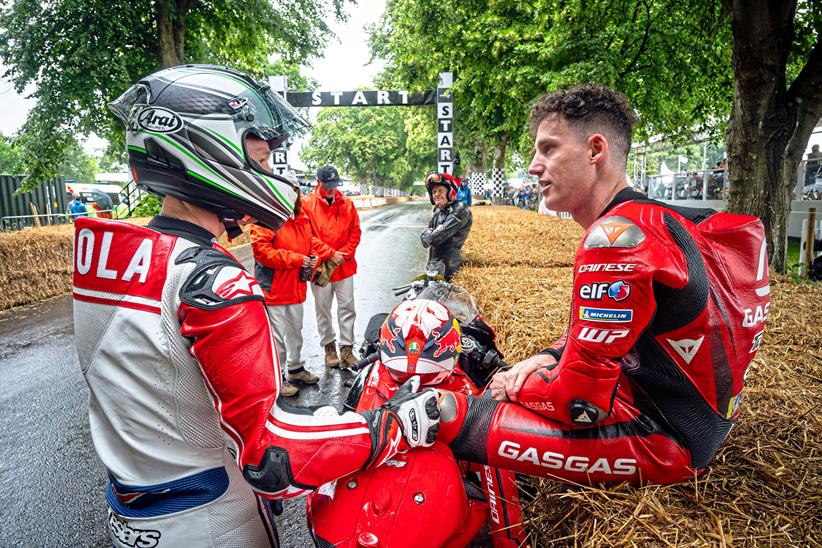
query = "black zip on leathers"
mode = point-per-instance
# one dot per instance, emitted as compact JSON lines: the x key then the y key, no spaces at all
{"x":446,"y":233}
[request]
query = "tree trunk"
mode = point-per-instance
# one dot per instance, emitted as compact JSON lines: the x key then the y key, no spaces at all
{"x":171,"y":30}
{"x":770,"y":123}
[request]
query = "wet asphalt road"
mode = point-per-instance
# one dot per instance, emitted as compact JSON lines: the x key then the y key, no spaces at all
{"x":51,"y":482}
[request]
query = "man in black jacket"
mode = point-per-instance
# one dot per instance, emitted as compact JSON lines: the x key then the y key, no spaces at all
{"x":448,"y":229}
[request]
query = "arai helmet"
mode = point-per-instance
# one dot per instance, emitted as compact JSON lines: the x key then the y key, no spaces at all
{"x":186,"y":132}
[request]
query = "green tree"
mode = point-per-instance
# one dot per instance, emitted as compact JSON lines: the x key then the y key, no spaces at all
{"x":777,"y":101}
{"x":11,"y":157}
{"x":685,"y":66}
{"x":77,"y":165}
{"x":81,"y":55}
{"x":371,"y":144}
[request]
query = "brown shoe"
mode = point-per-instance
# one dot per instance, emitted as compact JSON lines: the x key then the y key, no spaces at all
{"x":331,"y":359}
{"x":303,"y":376}
{"x":347,"y":357}
{"x":288,"y":389}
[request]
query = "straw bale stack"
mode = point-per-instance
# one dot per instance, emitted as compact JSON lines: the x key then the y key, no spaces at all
{"x":507,"y":236}
{"x":765,"y":484}
{"x":35,"y":263}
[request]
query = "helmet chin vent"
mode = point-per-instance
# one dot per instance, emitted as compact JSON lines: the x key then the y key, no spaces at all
{"x":158,"y":156}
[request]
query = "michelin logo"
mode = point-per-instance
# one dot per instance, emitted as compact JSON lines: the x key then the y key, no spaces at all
{"x":605,"y":314}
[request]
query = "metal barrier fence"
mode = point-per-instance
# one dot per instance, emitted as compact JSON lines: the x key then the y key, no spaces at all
{"x":20,"y":222}
{"x":47,"y":199}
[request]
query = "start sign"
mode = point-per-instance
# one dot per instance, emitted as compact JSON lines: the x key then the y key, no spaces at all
{"x":377,"y":98}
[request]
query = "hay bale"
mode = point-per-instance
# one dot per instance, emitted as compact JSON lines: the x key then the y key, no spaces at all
{"x":508,"y":236}
{"x":35,"y":264}
{"x":765,"y":484}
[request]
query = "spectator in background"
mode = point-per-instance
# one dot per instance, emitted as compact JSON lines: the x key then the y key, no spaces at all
{"x":464,"y":193}
{"x":76,"y":208}
{"x":283,"y":263}
{"x":334,"y":220}
{"x":812,"y":165}
{"x":450,"y":225}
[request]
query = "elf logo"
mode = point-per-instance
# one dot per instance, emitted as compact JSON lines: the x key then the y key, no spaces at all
{"x":601,"y":336}
{"x":616,"y":291}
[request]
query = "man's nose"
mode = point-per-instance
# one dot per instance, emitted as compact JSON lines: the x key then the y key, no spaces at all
{"x":534,"y":168}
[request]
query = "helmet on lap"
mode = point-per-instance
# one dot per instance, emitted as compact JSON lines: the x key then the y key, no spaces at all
{"x":420,"y":337}
{"x":187,"y":130}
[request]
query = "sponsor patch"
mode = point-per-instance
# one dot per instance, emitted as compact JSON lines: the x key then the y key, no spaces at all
{"x":686,"y":348}
{"x":607,"y":267}
{"x":241,"y":285}
{"x":130,"y":536}
{"x":601,"y":336}
{"x":159,"y":120}
{"x":733,"y":405}
{"x":755,"y":316}
{"x":605,"y":314}
{"x":757,"y":340}
{"x":614,"y":232}
{"x":236,"y":103}
{"x":616,"y":291}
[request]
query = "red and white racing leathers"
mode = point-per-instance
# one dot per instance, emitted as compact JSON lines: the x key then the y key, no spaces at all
{"x":174,"y":341}
{"x":668,"y":311}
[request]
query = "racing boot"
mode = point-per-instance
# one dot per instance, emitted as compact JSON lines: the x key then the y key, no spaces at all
{"x":347,"y":357}
{"x":303,"y":376}
{"x":287,"y":389}
{"x":331,"y":358}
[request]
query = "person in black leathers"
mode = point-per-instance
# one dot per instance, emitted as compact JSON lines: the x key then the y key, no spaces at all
{"x":449,"y":227}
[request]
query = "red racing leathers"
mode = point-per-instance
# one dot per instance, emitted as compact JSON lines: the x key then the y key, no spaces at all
{"x":174,"y":341}
{"x":668,"y":311}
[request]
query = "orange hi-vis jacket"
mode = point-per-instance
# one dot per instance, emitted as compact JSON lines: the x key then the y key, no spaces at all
{"x":279,"y":257}
{"x":338,"y":226}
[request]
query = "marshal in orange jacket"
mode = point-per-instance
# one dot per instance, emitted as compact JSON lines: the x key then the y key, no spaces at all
{"x":338,"y":226}
{"x":279,"y":257}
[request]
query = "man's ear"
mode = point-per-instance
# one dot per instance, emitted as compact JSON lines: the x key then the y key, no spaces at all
{"x":598,"y":148}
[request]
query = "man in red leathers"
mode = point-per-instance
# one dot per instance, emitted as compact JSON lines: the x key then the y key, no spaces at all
{"x":668,"y":310}
{"x":335,"y":221}
{"x":279,"y":260}
{"x":173,"y":335}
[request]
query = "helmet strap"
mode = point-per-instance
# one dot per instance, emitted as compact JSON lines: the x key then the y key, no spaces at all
{"x":233,"y":229}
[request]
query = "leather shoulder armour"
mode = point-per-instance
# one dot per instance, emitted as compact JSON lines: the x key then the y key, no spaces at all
{"x":217,"y":280}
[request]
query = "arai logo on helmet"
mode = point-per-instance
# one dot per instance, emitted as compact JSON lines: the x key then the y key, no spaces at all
{"x":159,"y":119}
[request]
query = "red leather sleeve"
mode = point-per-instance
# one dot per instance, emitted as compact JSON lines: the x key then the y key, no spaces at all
{"x":613,"y":302}
{"x":236,"y":352}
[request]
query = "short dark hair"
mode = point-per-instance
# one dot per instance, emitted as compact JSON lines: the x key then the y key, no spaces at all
{"x":590,"y":109}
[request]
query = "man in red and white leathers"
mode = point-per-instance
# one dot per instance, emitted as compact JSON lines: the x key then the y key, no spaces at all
{"x":174,"y":341}
{"x":667,"y":314}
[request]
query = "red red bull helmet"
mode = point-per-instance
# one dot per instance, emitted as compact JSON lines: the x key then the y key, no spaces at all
{"x":420,"y":337}
{"x":443,"y":179}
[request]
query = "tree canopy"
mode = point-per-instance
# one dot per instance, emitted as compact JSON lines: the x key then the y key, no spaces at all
{"x":386,"y":146}
{"x":505,"y":54}
{"x":81,"y":55}
{"x":684,"y":66}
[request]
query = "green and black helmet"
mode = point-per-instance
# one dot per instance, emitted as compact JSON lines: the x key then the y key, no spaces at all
{"x":186,"y":133}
